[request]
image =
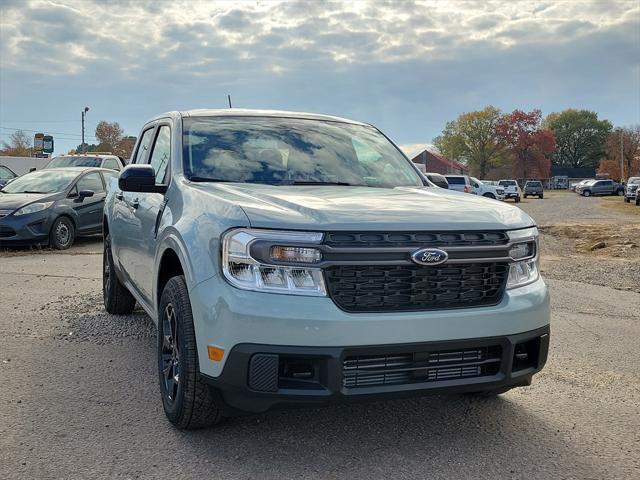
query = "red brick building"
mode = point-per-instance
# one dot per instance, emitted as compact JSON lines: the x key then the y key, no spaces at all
{"x":432,"y":162}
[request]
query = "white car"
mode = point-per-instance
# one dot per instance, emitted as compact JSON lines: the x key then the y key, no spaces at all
{"x":511,"y":189}
{"x":478,"y":187}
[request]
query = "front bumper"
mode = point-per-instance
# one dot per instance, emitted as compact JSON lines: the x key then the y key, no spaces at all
{"x":511,"y":195}
{"x":25,"y":229}
{"x":257,"y":377}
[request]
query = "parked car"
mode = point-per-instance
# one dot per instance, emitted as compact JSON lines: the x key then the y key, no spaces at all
{"x":600,"y":187}
{"x":282,"y":266}
{"x":53,"y":206}
{"x":489,"y":191}
{"x":98,"y":160}
{"x":437,"y":179}
{"x":6,"y":175}
{"x":580,"y":183}
{"x":511,"y":189}
{"x":460,"y":183}
{"x":533,"y":188}
{"x":631,"y":189}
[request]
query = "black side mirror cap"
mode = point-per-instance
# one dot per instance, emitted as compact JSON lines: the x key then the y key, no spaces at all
{"x":85,"y":193}
{"x":139,"y":178}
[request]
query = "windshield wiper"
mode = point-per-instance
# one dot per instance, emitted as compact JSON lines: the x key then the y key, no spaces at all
{"x":346,"y":184}
{"x":207,"y":179}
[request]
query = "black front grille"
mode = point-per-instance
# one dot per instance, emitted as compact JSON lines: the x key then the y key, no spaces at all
{"x":384,"y":288}
{"x":418,"y":239}
{"x":420,"y":367}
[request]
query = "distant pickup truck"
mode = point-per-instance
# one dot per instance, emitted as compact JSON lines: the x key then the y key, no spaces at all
{"x":599,"y":187}
{"x":511,"y":189}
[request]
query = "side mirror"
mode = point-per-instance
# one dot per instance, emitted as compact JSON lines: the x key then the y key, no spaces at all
{"x":85,"y":193}
{"x":32,"y":169}
{"x":139,"y":178}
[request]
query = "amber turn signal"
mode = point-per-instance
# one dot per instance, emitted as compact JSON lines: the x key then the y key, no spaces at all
{"x":215,"y":353}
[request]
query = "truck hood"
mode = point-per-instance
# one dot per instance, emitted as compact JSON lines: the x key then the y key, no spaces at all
{"x":326,"y":208}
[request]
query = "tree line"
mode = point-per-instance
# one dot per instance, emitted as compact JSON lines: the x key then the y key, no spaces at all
{"x":109,"y":135}
{"x":525,"y":145}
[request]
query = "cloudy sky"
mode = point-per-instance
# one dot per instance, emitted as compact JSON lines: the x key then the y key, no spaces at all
{"x":407,"y":67}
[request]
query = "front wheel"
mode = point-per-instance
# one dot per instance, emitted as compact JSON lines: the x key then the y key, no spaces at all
{"x":627,"y":200}
{"x":541,"y":197}
{"x":188,"y":402}
{"x":586,"y":193}
{"x":518,"y":199}
{"x":619,"y":192}
{"x":62,"y":233}
{"x":489,"y":195}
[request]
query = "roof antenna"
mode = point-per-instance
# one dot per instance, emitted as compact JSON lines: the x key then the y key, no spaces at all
{"x":229,"y":97}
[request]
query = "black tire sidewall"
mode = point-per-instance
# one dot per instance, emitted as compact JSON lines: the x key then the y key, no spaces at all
{"x":52,"y":236}
{"x":172,"y":292}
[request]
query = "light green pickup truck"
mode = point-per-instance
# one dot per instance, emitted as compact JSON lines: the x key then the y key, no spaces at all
{"x":300,"y":259}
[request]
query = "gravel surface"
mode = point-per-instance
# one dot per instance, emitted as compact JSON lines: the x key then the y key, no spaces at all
{"x":80,"y":397}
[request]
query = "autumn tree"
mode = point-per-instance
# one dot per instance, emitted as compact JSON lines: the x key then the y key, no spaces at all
{"x":580,"y":137}
{"x":629,"y":139}
{"x":19,"y":145}
{"x":124,"y":148}
{"x":473,"y":139}
{"x":108,"y":135}
{"x":528,"y":143}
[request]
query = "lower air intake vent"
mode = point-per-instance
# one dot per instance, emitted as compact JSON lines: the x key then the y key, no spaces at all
{"x":420,"y":367}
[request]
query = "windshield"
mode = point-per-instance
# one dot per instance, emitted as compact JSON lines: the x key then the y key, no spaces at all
{"x":634,"y":180}
{"x":286,"y":151}
{"x":43,"y":181}
{"x":74,"y":162}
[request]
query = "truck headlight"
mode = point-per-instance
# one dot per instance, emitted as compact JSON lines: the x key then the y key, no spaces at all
{"x":288,"y":269}
{"x":524,"y":270}
{"x":33,"y":208}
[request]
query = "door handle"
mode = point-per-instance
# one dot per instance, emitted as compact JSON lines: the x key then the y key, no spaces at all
{"x":119,"y":196}
{"x":136,"y":203}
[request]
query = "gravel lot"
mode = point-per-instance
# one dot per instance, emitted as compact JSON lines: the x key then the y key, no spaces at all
{"x":80,"y":396}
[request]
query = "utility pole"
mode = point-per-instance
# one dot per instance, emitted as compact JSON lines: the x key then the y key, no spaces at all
{"x":84,"y":146}
{"x":229,"y":97}
{"x":621,"y":154}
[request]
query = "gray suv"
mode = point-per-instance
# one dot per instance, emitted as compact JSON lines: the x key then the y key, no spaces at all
{"x":299,"y":259}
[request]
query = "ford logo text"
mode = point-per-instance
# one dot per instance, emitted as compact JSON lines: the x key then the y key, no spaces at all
{"x":429,"y":256}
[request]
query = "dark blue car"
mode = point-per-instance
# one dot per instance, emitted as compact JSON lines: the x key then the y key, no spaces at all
{"x":53,"y":206}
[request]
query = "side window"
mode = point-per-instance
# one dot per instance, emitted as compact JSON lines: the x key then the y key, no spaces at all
{"x":143,"y":146}
{"x":111,"y":163}
{"x":91,"y":181}
{"x":161,"y":153}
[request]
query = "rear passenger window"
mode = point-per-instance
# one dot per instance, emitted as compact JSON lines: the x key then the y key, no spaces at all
{"x":161,"y":153}
{"x":143,"y":146}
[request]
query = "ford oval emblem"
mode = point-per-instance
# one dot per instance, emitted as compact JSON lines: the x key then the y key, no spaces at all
{"x":429,"y":256}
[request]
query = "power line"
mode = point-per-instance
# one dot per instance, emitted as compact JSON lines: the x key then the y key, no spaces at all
{"x":51,"y":133}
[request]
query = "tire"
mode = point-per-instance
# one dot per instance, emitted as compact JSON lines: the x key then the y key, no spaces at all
{"x":619,"y":192}
{"x":637,"y":200}
{"x":586,"y":193}
{"x":489,"y":195}
{"x":117,"y":299}
{"x":627,"y":200}
{"x":518,"y":199}
{"x":525,"y":196}
{"x":541,"y":197}
{"x":62,"y":233}
{"x":188,"y":402}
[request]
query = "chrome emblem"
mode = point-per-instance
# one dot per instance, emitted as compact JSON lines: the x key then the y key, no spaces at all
{"x":429,"y":256}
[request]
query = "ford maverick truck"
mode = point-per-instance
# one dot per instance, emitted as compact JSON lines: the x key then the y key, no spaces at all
{"x":299,"y":259}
